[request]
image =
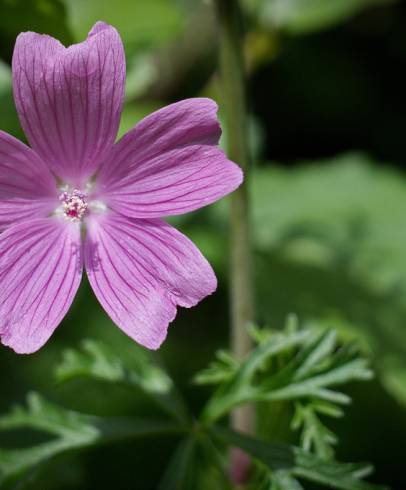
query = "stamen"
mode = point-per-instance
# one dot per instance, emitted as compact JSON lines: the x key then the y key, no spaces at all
{"x":74,"y":204}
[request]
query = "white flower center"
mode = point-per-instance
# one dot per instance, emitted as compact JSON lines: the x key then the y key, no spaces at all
{"x":74,"y":205}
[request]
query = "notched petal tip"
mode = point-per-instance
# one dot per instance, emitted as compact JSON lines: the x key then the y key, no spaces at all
{"x":175,"y":298}
{"x":36,"y":39}
{"x":238,"y":176}
{"x":42,"y":39}
{"x":69,"y":100}
{"x":34,"y":36}
{"x":204,"y":102}
{"x":199,"y":109}
{"x":21,"y":349}
{"x":141,"y":270}
{"x":100,"y":26}
{"x":156,"y":342}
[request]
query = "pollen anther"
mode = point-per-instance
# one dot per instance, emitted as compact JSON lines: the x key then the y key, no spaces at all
{"x":74,"y":204}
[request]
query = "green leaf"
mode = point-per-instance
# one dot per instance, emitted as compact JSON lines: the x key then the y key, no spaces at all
{"x":304,"y":16}
{"x":97,"y":361}
{"x":315,"y":435}
{"x":196,"y":464}
{"x":323,"y":347}
{"x":282,"y":480}
{"x":179,"y":471}
{"x":238,"y":389}
{"x":70,"y":431}
{"x":299,"y":463}
{"x":315,"y":386}
{"x":220,"y":370}
{"x":311,"y":371}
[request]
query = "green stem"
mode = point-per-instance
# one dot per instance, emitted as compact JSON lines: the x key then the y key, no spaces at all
{"x":234,"y":99}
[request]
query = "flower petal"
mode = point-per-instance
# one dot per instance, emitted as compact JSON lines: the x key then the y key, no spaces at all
{"x":169,"y":163}
{"x":188,"y":122}
{"x":27,"y":188}
{"x":40,"y":272}
{"x":140,"y":270}
{"x":69,"y":99}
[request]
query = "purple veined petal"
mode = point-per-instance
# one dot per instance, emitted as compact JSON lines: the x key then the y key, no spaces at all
{"x":27,"y":188}
{"x":175,"y":182}
{"x":40,"y":271}
{"x":188,"y":122}
{"x":69,"y":100}
{"x":140,"y":270}
{"x":169,"y":163}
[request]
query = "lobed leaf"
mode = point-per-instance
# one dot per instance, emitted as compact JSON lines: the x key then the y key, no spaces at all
{"x":315,"y":435}
{"x":97,"y":361}
{"x":283,"y":480}
{"x":69,"y":431}
{"x":220,"y":370}
{"x":314,"y":367}
{"x":298,"y":463}
{"x":196,"y":464}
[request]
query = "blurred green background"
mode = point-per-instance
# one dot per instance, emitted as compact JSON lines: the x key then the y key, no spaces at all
{"x":326,"y":88}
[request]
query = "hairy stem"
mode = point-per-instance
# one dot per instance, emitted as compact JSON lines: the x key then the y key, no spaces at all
{"x":234,"y":98}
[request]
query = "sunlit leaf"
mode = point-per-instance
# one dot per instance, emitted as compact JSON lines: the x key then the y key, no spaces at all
{"x":314,"y":369}
{"x":220,"y":370}
{"x":315,"y":436}
{"x":97,"y":361}
{"x":282,"y":480}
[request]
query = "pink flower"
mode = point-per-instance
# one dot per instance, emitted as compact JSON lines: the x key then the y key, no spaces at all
{"x":77,"y":199}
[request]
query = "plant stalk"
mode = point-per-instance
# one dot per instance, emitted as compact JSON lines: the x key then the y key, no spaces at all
{"x":234,"y":99}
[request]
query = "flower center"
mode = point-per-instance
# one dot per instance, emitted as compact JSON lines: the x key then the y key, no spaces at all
{"x":74,"y":204}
